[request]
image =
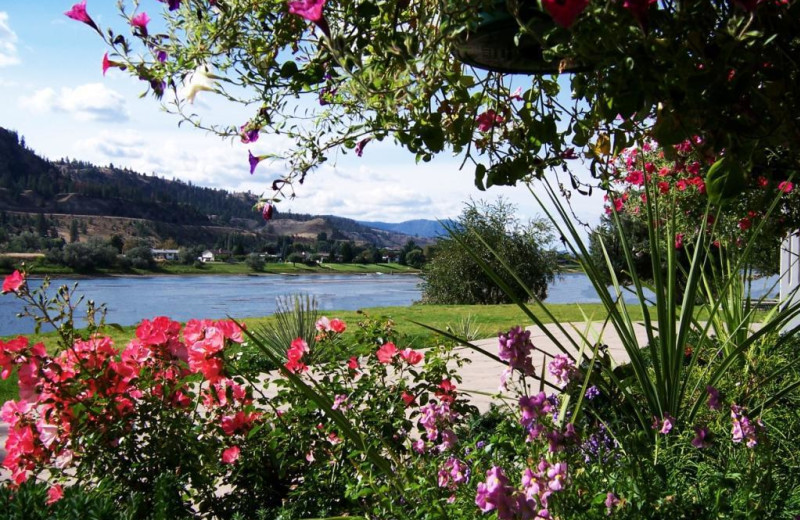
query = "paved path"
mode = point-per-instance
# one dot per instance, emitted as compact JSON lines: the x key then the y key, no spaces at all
{"x":481,"y":378}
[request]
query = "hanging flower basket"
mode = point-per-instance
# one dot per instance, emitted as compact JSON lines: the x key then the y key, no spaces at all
{"x":497,"y":44}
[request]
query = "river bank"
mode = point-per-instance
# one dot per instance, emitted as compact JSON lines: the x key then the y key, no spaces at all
{"x":220,"y":268}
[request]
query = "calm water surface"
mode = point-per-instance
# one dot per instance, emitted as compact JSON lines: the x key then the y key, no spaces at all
{"x":130,"y":299}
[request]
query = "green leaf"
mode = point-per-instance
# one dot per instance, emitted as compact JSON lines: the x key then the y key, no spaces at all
{"x":724,"y":180}
{"x":288,"y":69}
{"x":480,"y":173}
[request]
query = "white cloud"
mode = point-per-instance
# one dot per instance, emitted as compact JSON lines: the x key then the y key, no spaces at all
{"x":128,"y":144}
{"x":8,"y":42}
{"x":90,"y":102}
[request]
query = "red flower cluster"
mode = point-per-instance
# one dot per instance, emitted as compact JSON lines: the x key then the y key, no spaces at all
{"x":295,"y":354}
{"x":93,"y":386}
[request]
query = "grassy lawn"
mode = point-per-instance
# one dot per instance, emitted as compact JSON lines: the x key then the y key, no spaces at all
{"x":490,"y":318}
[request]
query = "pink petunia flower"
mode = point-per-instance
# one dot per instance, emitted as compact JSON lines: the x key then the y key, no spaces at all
{"x":785,"y":187}
{"x":311,"y":10}
{"x":564,"y":12}
{"x":141,"y":20}
{"x":78,"y":12}
{"x":488,"y":120}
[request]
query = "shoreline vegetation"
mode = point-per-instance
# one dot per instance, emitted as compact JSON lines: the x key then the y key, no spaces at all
{"x":221,"y":268}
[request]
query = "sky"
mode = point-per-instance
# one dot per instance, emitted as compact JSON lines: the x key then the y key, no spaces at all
{"x":54,"y":94}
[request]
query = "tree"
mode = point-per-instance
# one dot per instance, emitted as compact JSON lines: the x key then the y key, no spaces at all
{"x":73,"y":231}
{"x":346,"y":252}
{"x":415,"y":258}
{"x":606,"y":235}
{"x":255,"y":262}
{"x":452,"y":276}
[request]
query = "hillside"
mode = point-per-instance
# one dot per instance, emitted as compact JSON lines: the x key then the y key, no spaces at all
{"x":419,"y":228}
{"x":107,"y":201}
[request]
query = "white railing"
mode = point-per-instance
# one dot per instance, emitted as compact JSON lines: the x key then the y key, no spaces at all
{"x":790,"y":272}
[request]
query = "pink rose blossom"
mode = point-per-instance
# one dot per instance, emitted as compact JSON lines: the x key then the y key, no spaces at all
{"x":13,"y":282}
{"x":54,"y":494}
{"x":231,"y":455}
{"x":386,"y":353}
{"x":411,"y":356}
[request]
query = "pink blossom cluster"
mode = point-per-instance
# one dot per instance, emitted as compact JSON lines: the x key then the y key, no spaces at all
{"x":334,"y":325}
{"x":562,"y":367}
{"x":742,"y":429}
{"x":388,"y":352}
{"x":437,"y":420}
{"x":515,"y":347}
{"x":13,"y":282}
{"x":453,"y":473}
{"x":530,"y":502}
{"x":298,"y":348}
{"x":94,"y":385}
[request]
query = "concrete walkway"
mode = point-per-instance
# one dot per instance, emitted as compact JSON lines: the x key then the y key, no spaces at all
{"x":481,"y":378}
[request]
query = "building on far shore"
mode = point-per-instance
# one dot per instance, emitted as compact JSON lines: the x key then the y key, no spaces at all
{"x":164,"y":254}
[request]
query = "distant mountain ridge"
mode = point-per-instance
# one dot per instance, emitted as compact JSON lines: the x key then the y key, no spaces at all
{"x":420,"y":228}
{"x":31,"y":184}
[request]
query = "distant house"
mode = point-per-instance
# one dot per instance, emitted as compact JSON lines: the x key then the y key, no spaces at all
{"x":207,"y":256}
{"x":164,"y":254}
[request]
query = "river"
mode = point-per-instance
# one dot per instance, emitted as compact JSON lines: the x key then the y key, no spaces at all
{"x":130,"y":299}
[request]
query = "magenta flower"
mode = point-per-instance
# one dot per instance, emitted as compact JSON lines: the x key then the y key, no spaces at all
{"x":557,"y":473}
{"x":254,"y":160}
{"x":13,"y":282}
{"x":785,"y":187}
{"x":106,"y":63}
{"x":311,"y":10}
{"x":141,"y":20}
{"x":495,"y":493}
{"x":742,"y":427}
{"x":700,"y":438}
{"x":611,"y":502}
{"x":564,"y":12}
{"x":666,"y":424}
{"x":248,"y":133}
{"x":488,"y":120}
{"x":515,"y":347}
{"x":713,"y":398}
{"x":563,"y":369}
{"x":360,"y":146}
{"x":78,"y":12}
{"x":266,"y":211}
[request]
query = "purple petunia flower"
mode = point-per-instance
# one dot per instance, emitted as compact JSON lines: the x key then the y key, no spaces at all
{"x":360,"y":146}
{"x":254,"y":160}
